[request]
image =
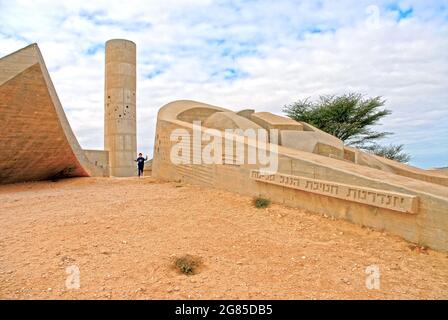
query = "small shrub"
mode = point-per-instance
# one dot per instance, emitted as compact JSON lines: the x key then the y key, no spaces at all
{"x":261,"y":203}
{"x":187,"y":265}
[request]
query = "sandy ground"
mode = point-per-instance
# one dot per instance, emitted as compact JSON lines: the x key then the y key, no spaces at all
{"x":123,"y":235}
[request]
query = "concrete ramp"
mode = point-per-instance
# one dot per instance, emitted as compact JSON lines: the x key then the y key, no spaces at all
{"x":36,"y":140}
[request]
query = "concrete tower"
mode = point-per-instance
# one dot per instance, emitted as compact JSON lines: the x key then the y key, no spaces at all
{"x":120,"y":107}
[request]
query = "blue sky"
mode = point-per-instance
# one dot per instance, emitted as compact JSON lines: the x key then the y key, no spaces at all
{"x":247,"y":54}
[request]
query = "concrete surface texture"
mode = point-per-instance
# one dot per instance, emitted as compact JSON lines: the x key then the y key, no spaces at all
{"x":319,"y":174}
{"x":120,"y":125}
{"x":36,"y":140}
{"x":99,"y":158}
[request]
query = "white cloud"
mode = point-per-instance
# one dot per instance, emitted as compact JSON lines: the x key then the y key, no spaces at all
{"x":240,"y":54}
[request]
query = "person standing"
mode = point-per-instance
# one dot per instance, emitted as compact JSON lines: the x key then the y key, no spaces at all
{"x":141,"y":164}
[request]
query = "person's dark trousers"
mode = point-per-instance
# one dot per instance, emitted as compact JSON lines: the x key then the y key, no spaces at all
{"x":140,"y":171}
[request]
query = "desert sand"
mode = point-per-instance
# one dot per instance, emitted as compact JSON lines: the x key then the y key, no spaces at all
{"x":124,"y":234}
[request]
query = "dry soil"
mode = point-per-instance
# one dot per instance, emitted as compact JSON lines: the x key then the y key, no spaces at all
{"x":124,"y":235}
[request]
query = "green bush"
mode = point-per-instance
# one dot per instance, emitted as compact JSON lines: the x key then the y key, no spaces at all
{"x":261,"y":203}
{"x":186,"y":265}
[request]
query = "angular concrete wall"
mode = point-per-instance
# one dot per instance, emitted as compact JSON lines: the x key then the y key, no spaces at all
{"x":99,"y":158}
{"x":36,"y":141}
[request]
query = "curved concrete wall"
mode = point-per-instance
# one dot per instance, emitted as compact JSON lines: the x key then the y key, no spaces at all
{"x":385,"y":200}
{"x":36,"y":141}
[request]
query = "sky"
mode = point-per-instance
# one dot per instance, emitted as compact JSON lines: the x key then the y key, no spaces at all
{"x":243,"y":54}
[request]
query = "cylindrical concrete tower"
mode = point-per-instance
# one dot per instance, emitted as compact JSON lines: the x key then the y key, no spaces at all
{"x":120,"y":107}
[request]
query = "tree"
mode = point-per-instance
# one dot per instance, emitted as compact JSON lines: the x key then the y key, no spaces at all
{"x":348,"y":117}
{"x":393,"y":152}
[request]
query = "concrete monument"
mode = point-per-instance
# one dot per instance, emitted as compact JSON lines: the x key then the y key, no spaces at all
{"x":248,"y":152}
{"x":36,"y":140}
{"x":313,"y":170}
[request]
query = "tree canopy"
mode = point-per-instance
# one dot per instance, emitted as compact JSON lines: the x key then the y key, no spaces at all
{"x":349,"y":117}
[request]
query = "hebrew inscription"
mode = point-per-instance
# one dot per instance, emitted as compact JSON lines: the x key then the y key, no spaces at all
{"x":374,"y":197}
